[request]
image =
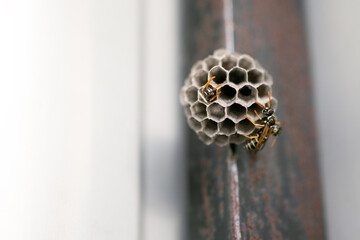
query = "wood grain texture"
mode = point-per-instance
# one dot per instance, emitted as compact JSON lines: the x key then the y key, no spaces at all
{"x":280,"y":192}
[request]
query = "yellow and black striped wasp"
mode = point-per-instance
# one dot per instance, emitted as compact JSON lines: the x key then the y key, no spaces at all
{"x":268,"y":126}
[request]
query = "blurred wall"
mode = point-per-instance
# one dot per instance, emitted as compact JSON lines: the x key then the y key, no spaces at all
{"x":334,"y":39}
{"x":162,"y":157}
{"x":69,"y":81}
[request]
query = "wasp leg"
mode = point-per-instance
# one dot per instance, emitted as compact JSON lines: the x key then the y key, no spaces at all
{"x":215,"y":96}
{"x":251,"y":137}
{"x":207,"y":84}
{"x":269,"y":99}
{"x":217,"y":87}
{"x":259,"y":104}
{"x":257,"y":115}
{"x":255,"y":124}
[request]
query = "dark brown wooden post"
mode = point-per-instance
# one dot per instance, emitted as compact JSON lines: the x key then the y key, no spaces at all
{"x":279,"y":189}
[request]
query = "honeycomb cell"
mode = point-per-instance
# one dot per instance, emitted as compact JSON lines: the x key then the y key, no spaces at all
{"x":205,"y":138}
{"x":245,"y":127}
{"x":221,"y":140}
{"x":237,"y":138}
{"x":200,"y":78}
{"x":187,"y":110}
{"x":227,"y":127}
{"x":255,"y":76}
{"x":251,"y":111}
{"x":273,"y":103}
{"x":209,"y":127}
{"x":237,"y":76}
{"x":191,"y":94}
{"x":228,"y":62}
{"x":194,"y":124}
{"x":219,"y":73}
{"x":197,"y":66}
{"x":182,"y":96}
{"x":247,"y":93}
{"x":267,"y":78}
{"x":246,"y":62}
{"x":198,"y":110}
{"x":211,"y":62}
{"x":216,"y":112}
{"x":263,"y":91}
{"x":220,"y":52}
{"x":236,"y":112}
{"x":227,"y":94}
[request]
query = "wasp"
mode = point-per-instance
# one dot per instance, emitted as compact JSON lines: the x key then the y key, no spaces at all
{"x":269,"y":126}
{"x":208,"y":92}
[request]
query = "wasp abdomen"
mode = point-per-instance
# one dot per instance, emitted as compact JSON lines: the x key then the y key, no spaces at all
{"x":251,"y":144}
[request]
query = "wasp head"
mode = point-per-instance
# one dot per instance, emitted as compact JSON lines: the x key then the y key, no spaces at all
{"x":268,"y":111}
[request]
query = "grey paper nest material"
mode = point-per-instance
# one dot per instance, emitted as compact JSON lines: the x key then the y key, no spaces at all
{"x":222,"y":120}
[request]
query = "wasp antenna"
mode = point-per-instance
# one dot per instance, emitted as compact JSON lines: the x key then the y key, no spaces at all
{"x":269,"y":99}
{"x":283,"y":124}
{"x":217,"y":86}
{"x":215,"y":96}
{"x":259,"y":104}
{"x":273,"y":143}
{"x":255,"y":124}
{"x":208,"y":82}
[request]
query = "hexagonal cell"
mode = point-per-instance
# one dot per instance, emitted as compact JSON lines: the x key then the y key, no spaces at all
{"x":219,"y":73}
{"x":273,"y":103}
{"x":227,"y":94}
{"x":216,"y":112}
{"x":220,"y":52}
{"x":191,"y":94}
{"x":237,"y":75}
{"x":227,"y":127}
{"x":182,"y":96}
{"x":251,"y":111}
{"x":237,"y":138}
{"x":221,"y":140}
{"x":205,"y":138}
{"x":263,"y":91}
{"x":255,"y":76}
{"x":194,"y":124}
{"x":197,"y":66}
{"x":246,"y":62}
{"x":245,"y":127}
{"x":200,"y":78}
{"x":267,"y":78}
{"x":211,"y":62}
{"x":236,"y":112}
{"x":199,"y":111}
{"x":187,"y":110}
{"x":247,"y":93}
{"x":187,"y":81}
{"x":228,"y":62}
{"x":209,"y":127}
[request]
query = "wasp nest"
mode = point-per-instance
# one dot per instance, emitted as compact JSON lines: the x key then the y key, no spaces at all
{"x":216,"y":108}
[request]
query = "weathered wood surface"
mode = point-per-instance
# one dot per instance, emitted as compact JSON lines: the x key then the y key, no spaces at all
{"x":280,"y":192}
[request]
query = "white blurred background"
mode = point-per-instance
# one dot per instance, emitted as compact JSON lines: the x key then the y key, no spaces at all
{"x":79,"y":82}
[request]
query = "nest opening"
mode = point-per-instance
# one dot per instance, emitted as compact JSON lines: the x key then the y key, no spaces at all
{"x":227,"y":93}
{"x":219,"y":73}
{"x":210,"y":127}
{"x":237,"y":76}
{"x":227,"y":127}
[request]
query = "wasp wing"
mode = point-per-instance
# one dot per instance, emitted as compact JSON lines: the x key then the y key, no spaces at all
{"x":263,"y":137}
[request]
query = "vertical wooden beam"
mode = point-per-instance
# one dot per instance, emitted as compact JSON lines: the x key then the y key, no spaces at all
{"x":279,"y":189}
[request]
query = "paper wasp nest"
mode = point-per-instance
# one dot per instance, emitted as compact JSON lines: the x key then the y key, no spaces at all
{"x":243,"y":81}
